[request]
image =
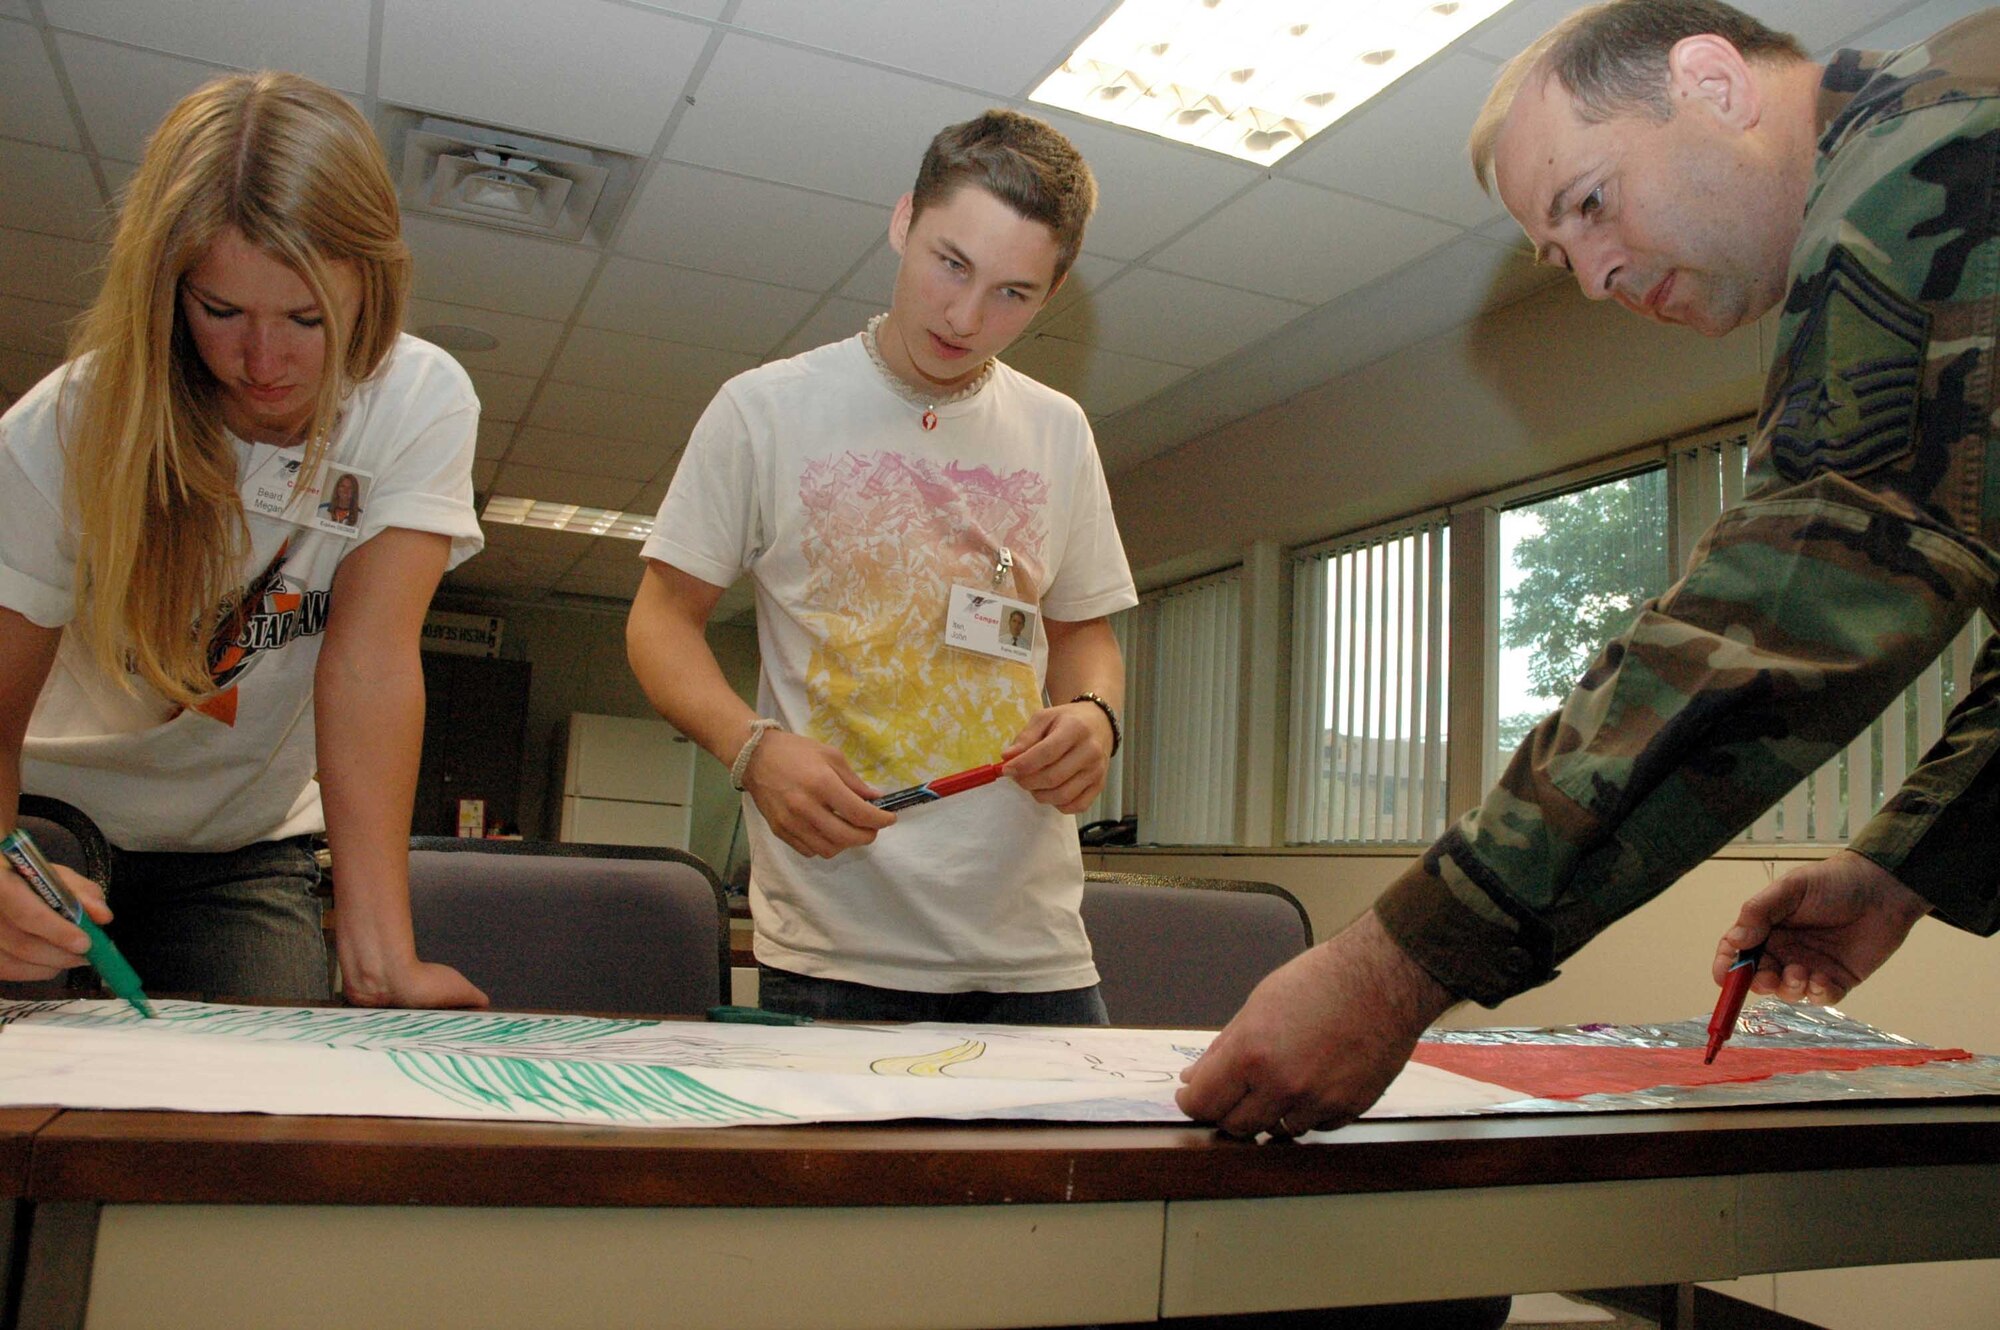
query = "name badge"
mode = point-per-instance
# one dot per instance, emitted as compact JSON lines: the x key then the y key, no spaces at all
{"x":334,"y":505}
{"x":990,"y":624}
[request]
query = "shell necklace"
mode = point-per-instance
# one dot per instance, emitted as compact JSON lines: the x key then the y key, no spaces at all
{"x":927,"y":402}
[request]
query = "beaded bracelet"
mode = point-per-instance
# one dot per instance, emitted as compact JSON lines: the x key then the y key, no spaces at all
{"x":758,"y":729}
{"x":1109,"y":714}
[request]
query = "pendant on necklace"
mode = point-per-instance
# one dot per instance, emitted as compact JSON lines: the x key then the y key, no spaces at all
{"x":930,"y":418}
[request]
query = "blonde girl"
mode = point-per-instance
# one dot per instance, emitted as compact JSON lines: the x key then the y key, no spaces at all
{"x":184,"y":640}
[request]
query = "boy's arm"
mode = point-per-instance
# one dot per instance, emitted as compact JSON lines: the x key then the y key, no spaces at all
{"x":804,"y":789}
{"x":1064,"y":754}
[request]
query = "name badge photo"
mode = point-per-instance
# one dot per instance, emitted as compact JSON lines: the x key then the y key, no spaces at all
{"x":336,"y":505}
{"x":990,"y":625}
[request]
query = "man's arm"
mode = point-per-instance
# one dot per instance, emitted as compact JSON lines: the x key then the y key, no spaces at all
{"x":1063,"y":754}
{"x":805,"y":790}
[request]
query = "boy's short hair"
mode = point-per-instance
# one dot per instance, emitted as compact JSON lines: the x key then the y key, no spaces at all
{"x":1024,"y":162}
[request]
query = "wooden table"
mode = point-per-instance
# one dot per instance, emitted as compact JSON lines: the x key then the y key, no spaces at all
{"x":203,"y":1220}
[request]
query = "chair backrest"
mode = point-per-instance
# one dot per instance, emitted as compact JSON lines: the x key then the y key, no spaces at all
{"x":1185,"y":952}
{"x":65,"y":835}
{"x":566,"y":927}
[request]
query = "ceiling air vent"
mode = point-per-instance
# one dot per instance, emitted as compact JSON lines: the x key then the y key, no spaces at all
{"x":498,"y":177}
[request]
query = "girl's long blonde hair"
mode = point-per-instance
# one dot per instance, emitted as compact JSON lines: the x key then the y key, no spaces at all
{"x":151,"y":477}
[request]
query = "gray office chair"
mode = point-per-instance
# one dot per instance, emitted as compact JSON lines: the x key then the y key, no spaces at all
{"x":1184,"y":952}
{"x":546,"y":926}
{"x":67,"y":836}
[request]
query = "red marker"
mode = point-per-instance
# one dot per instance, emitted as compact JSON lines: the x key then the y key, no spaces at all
{"x":932,"y":790}
{"x":1735,"y":987}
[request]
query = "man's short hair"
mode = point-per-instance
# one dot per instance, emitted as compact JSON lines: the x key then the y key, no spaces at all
{"x":1612,"y":60}
{"x":1024,"y":162}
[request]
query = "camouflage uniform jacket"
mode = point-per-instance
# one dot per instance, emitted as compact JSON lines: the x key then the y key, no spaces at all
{"x":1870,"y":534}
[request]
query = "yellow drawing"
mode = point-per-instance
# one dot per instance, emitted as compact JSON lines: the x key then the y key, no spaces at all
{"x":929,"y":1064}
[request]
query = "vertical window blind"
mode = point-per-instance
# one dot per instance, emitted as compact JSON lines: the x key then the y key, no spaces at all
{"x":1186,"y":755}
{"x":1367,"y":744}
{"x":1832,"y":804}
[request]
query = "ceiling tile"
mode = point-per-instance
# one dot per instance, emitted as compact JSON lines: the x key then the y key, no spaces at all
{"x":322,"y":39}
{"x":50,"y":268}
{"x":22,"y":370}
{"x":1101,"y":381}
{"x":584,"y":70}
{"x":495,"y":438}
{"x":483,"y":471}
{"x":598,"y":358}
{"x":49,"y":190}
{"x":593,"y":578}
{"x":31,"y":100}
{"x":124,"y":93}
{"x":1164,"y":316}
{"x":525,"y":344}
{"x":479,"y":266}
{"x":702,"y":309}
{"x":1300,"y":241}
{"x":868,"y":128}
{"x":1407,"y":147}
{"x":34,"y":326}
{"x":687,"y":8}
{"x":875,"y":280}
{"x":502,"y":397}
{"x":607,"y":457}
{"x":1821,"y":24}
{"x":1916,"y":25}
{"x":534,"y":482}
{"x":1004,"y":49}
{"x":1148,"y":189}
{"x":1509,"y":32}
{"x":627,"y":417}
{"x":831,"y":322}
{"x":748,"y":228}
{"x":15,"y":9}
{"x":1085,"y":275}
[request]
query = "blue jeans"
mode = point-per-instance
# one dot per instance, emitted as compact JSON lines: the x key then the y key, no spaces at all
{"x":239,"y":924}
{"x":838,"y":1000}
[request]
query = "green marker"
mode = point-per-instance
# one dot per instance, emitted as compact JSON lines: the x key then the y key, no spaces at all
{"x":755,"y":1016}
{"x":103,"y":954}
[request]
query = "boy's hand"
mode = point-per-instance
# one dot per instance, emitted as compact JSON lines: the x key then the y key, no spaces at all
{"x":811,"y":797}
{"x":1062,"y":756}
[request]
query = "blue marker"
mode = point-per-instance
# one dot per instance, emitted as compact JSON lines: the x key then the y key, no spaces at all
{"x":116,"y":972}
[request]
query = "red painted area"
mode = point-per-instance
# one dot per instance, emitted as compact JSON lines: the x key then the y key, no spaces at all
{"x":1558,"y":1071}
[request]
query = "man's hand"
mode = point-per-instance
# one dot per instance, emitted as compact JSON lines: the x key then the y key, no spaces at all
{"x":1062,"y":756}
{"x":811,"y":797}
{"x":35,"y":941}
{"x":1825,"y":927}
{"x":419,"y":984}
{"x":1319,"y":1040}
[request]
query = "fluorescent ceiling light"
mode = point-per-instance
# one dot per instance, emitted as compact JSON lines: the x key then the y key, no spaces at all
{"x":575,"y":517}
{"x":1251,"y":78}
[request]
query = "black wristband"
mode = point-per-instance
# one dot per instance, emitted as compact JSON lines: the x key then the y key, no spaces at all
{"x":1110,"y":714}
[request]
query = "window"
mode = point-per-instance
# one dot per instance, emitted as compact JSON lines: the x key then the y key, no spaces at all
{"x":1182,"y":674}
{"x":1574,"y":571}
{"x":1367,"y":744}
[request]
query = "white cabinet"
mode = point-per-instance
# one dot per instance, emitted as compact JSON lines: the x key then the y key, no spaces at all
{"x":625,"y":781}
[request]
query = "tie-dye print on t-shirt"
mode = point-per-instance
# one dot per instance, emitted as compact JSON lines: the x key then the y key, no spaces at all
{"x":885,"y":537}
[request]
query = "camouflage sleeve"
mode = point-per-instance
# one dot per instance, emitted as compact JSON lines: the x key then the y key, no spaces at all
{"x":1936,"y":833}
{"x":1866,"y":544}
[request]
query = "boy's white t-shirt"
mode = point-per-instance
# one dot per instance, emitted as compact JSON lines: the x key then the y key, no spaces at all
{"x":240,"y":768}
{"x":816,"y":478}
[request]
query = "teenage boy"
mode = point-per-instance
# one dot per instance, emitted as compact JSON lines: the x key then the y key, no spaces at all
{"x":894,"y":497}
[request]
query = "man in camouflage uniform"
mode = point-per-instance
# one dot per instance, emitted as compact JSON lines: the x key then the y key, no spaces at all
{"x":1683,"y":159}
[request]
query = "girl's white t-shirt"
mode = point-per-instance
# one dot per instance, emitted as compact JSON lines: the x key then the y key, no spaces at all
{"x":240,"y":768}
